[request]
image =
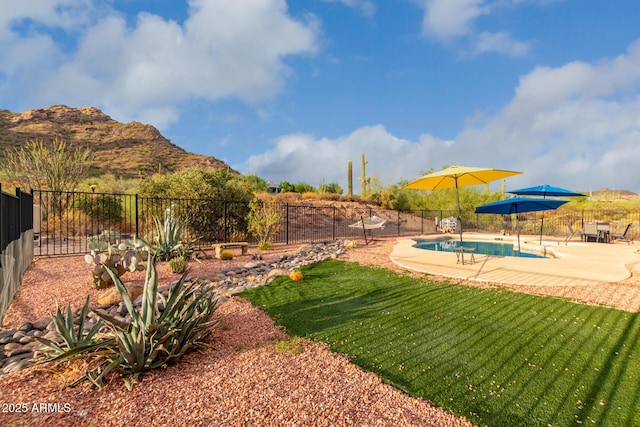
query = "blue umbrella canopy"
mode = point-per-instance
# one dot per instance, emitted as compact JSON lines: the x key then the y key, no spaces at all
{"x":545,"y":190}
{"x":518,"y":205}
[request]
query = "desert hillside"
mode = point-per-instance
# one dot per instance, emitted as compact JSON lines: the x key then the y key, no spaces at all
{"x":123,"y":149}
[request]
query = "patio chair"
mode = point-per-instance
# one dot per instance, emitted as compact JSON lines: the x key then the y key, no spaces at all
{"x":624,"y":236}
{"x":572,"y":233}
{"x":589,"y":231}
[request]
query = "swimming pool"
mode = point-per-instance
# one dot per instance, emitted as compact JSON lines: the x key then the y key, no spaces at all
{"x":485,"y":248}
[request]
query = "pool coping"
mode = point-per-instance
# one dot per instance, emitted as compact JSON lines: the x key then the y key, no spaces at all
{"x":575,"y":263}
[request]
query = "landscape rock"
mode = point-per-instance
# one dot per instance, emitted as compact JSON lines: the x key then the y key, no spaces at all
{"x":112,"y":296}
{"x":20,"y":348}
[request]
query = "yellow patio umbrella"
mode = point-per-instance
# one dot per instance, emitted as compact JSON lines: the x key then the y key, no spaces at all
{"x":456,"y":177}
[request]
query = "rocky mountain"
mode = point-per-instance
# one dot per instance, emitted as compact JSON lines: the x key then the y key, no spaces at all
{"x":123,"y":149}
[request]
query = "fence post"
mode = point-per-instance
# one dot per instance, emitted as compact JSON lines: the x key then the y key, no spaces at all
{"x":286,"y":224}
{"x":18,"y":196}
{"x":333,"y":228}
{"x":225,"y":234}
{"x":137,"y":217}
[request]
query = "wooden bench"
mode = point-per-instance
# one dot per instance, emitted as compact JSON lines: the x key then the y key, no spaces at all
{"x":461,"y":250}
{"x":219,"y":247}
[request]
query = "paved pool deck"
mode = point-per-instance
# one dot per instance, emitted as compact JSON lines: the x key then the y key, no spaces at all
{"x":574,"y":264}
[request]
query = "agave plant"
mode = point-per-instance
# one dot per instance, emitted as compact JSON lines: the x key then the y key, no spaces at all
{"x":150,"y":339}
{"x":168,"y":243}
{"x":73,"y":337}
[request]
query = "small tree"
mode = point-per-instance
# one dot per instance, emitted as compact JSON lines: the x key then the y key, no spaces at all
{"x":264,"y":220}
{"x":52,"y":166}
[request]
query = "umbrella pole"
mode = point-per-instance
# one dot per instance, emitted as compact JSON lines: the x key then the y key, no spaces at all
{"x":518,"y":227}
{"x":544,"y":196}
{"x":459,"y":219}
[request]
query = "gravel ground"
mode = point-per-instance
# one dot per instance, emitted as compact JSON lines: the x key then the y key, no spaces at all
{"x":241,"y":379}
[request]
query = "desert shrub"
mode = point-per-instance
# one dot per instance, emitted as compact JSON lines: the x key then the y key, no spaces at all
{"x":254,"y":183}
{"x":303,"y":187}
{"x":287,"y":197}
{"x":351,"y":198}
{"x":264,"y":220}
{"x":374,"y":198}
{"x":100,"y":207}
{"x":289,"y":346}
{"x":329,"y":196}
{"x":286,"y":187}
{"x":331,"y":187}
{"x":206,"y":197}
{"x":68,"y":223}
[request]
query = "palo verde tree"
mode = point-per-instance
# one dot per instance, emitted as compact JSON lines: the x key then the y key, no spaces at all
{"x":54,"y":166}
{"x":264,"y":220}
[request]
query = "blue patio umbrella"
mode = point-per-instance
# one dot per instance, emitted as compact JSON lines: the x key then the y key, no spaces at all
{"x":517,"y":205}
{"x":544,"y":191}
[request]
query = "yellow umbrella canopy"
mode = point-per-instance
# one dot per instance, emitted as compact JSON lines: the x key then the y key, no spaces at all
{"x":459,"y":176}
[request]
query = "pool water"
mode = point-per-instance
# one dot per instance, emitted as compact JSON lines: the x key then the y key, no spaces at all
{"x":484,"y":248}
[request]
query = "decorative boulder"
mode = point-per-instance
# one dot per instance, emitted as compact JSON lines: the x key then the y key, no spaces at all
{"x":112,"y":296}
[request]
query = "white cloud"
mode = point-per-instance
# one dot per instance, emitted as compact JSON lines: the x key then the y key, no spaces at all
{"x":63,"y":14}
{"x":305,"y":158}
{"x":446,"y":19}
{"x":451,"y":20}
{"x":224,"y":49}
{"x":575,"y":126}
{"x":500,"y":42}
{"x":366,"y":7}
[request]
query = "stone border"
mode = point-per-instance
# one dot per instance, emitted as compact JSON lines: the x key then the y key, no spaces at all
{"x":20,"y":348}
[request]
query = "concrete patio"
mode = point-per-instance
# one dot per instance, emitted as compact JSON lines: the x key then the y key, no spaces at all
{"x":574,"y":264}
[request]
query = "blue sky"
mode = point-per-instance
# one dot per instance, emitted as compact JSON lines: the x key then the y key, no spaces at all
{"x":293,"y":90}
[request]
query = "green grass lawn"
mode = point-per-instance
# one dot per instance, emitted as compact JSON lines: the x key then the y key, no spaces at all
{"x":496,"y":357}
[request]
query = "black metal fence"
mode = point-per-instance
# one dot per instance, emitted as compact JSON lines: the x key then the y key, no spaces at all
{"x":67,"y":222}
{"x":561,"y":222}
{"x":16,"y":216}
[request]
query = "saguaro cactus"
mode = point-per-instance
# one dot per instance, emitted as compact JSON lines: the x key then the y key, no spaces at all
{"x":363,"y":178}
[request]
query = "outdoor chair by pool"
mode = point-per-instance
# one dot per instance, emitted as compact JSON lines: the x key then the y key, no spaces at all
{"x":572,"y":233}
{"x":589,"y":231}
{"x":624,"y":236}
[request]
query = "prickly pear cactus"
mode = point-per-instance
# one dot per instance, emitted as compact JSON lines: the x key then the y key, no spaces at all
{"x":123,"y":257}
